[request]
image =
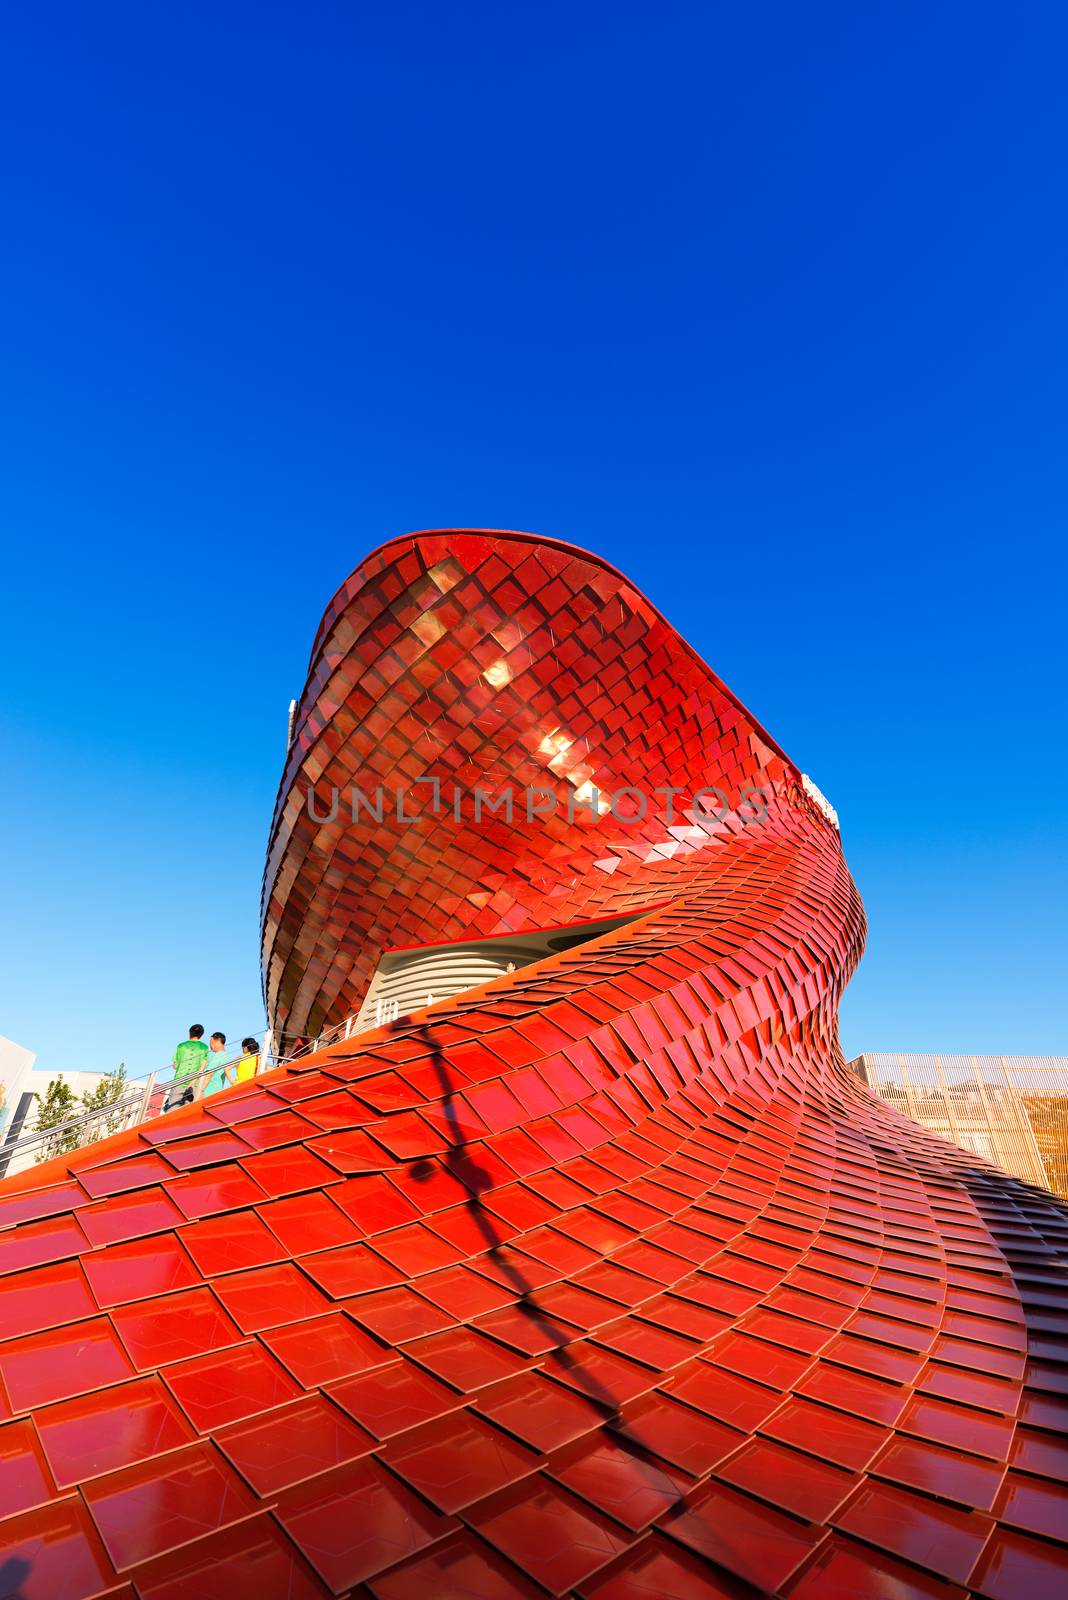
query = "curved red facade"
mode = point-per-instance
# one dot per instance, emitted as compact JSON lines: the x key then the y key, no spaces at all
{"x":606,"y":1279}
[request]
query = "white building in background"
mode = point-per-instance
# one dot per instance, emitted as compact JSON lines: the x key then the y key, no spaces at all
{"x":16,"y":1064}
{"x":78,"y":1083}
{"x":22,"y":1087}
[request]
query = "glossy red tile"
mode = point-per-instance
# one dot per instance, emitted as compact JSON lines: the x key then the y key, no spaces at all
{"x":204,"y":1194}
{"x":457,"y":1460}
{"x":266,"y":1297}
{"x":309,"y":1222}
{"x":43,"y":1367}
{"x":394,"y":1397}
{"x":251,"y":1560}
{"x":54,"y":1553}
{"x":129,"y":1216}
{"x":112,"y":1429}
{"x":751,"y":1540}
{"x":139,"y":1269}
{"x":174,"y":1327}
{"x":943,"y":1539}
{"x":222,"y":1386}
{"x":117,"y":1177}
{"x":325,"y":1349}
{"x":33,"y":1244}
{"x":553,"y":1537}
{"x":231,"y":1243}
{"x":356,"y":1522}
{"x":292,"y":1443}
{"x":458,"y":1566}
{"x":150,"y":1508}
{"x":288,"y":1170}
{"x":24,"y":1477}
{"x":43,"y":1298}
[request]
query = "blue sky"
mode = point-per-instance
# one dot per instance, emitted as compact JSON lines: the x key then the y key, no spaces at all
{"x":766,"y":307}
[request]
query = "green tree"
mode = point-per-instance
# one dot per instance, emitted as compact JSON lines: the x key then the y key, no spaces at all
{"x":58,"y":1106}
{"x":111,"y":1088}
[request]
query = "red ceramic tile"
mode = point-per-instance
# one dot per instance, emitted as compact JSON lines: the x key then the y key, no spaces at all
{"x":677,"y":1434}
{"x":292,"y":1443}
{"x":619,"y":1479}
{"x":933,"y":1469}
{"x":393,"y":1398}
{"x":353,"y":1269}
{"x":206,"y":1150}
{"x":24,"y":1478}
{"x":457,"y":1460}
{"x":357,"y":1522}
{"x":1014,"y":1565}
{"x":464,"y":1358}
{"x":238,"y":1108}
{"x":723,"y":1395}
{"x":150,"y":1508}
{"x":350,"y":1152}
{"x":54,"y":1553}
{"x":288,"y":1170}
{"x":135,"y":1172}
{"x":250,"y":1561}
{"x":791,"y":1480}
{"x":844,"y":1440}
{"x":204,"y":1194}
{"x":463,"y":1293}
{"x":459,"y":1566}
{"x":539,"y":1412}
{"x":221,"y":1387}
{"x":30,"y":1204}
{"x":114,"y":1428}
{"x":399,"y":1314}
{"x":269,"y":1296}
{"x":33,"y":1244}
{"x":129,"y":1216}
{"x":1034,"y":1506}
{"x":842,"y":1567}
{"x":230,"y":1243}
{"x":417,"y":1249}
{"x":373,"y":1203}
{"x":309,"y":1222}
{"x":187,"y":1123}
{"x":555,"y":1538}
{"x":44,"y":1367}
{"x":139,"y":1269}
{"x":174,"y":1327}
{"x":940,"y":1538}
{"x":655,"y":1569}
{"x":957,"y":1427}
{"x":42,"y":1298}
{"x":325,"y":1349}
{"x":754,"y":1542}
{"x":601,"y":1375}
{"x":281,"y":1127}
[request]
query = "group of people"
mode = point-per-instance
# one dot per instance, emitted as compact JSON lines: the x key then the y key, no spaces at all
{"x":192,"y":1058}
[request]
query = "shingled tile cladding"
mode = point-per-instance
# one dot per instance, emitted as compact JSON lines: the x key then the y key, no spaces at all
{"x":606,"y":1279}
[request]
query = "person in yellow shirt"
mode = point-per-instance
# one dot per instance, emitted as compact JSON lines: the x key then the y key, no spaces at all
{"x":248,"y":1064}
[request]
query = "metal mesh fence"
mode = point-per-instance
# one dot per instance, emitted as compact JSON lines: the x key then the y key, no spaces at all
{"x":1012,"y":1110}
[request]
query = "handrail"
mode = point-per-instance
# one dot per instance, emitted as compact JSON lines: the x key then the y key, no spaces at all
{"x":131,"y":1110}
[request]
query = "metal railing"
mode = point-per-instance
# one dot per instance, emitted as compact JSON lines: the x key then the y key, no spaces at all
{"x":141,"y":1099}
{"x":148,"y":1095}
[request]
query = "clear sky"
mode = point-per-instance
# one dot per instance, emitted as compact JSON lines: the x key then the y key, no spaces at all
{"x":764,"y":304}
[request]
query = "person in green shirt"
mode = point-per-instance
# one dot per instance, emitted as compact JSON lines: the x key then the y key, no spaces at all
{"x":190,"y":1057}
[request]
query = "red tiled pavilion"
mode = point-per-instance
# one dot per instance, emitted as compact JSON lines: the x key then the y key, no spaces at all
{"x":603,"y":1279}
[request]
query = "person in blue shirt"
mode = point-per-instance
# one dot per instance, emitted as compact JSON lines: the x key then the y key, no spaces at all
{"x":219,"y":1055}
